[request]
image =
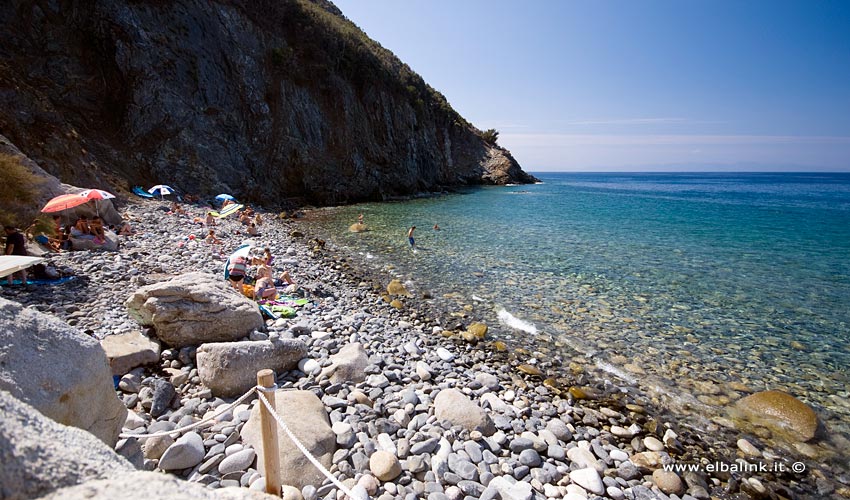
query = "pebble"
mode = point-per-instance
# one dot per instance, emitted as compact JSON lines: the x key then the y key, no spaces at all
{"x":530,"y":458}
{"x":238,"y":461}
{"x":187,"y":451}
{"x":653,"y":444}
{"x":748,"y":448}
{"x":588,"y":479}
{"x":390,"y":415}
{"x":668,"y":482}
{"x":445,"y":354}
{"x":384,"y":465}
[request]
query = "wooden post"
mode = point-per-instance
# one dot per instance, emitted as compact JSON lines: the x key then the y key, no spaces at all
{"x":271,"y":457}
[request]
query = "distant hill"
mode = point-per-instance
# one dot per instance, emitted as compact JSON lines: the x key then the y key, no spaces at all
{"x":269,"y":100}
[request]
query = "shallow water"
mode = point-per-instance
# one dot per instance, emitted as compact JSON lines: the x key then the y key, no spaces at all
{"x":687,"y":284}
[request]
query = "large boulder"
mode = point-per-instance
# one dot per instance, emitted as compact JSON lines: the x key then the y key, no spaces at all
{"x":454,"y":406}
{"x":111,"y":243}
{"x":306,"y":417}
{"x":147,"y":485}
{"x":782,"y":412}
{"x":126,"y":351}
{"x":58,"y":370}
{"x":348,"y":365}
{"x":230,"y":368}
{"x":194,"y":308}
{"x":39,"y":455}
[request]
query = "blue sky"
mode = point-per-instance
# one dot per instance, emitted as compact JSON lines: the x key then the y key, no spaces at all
{"x":636,"y":85}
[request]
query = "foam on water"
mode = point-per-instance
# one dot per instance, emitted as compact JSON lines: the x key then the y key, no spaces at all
{"x":613,"y":370}
{"x":512,"y":321}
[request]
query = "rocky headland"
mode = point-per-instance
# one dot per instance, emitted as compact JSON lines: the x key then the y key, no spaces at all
{"x":390,"y":402}
{"x":275,"y":102}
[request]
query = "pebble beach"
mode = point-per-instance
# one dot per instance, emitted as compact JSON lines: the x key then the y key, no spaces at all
{"x":440,"y":410}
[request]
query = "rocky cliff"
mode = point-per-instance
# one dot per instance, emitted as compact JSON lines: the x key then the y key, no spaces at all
{"x":269,"y":100}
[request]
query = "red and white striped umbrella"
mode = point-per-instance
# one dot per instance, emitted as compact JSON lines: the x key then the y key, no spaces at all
{"x":96,"y":194}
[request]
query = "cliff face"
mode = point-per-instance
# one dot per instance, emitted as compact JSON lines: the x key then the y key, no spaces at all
{"x":267,"y":100}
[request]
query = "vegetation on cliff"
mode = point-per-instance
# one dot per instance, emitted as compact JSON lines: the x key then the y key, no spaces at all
{"x":18,"y":190}
{"x":272,"y":100}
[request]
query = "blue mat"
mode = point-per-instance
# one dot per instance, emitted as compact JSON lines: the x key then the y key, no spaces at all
{"x":138,"y":191}
{"x":57,"y":281}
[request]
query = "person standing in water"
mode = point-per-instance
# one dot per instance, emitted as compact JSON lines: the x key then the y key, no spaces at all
{"x":410,"y":237}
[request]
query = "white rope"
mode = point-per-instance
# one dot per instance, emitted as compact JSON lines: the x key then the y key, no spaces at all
{"x":196,"y":424}
{"x":304,"y":450}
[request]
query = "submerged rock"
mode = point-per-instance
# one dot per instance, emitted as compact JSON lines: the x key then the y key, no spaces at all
{"x":781,"y":411}
{"x":395,"y":287}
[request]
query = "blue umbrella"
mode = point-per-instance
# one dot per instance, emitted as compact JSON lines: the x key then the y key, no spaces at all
{"x":161,"y":190}
{"x":224,"y":197}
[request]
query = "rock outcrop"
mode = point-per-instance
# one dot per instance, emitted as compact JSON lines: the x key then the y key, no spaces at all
{"x":39,"y":455}
{"x":266,"y":100}
{"x":194,"y":308}
{"x":305,"y":416}
{"x":58,"y":370}
{"x":230,"y":368}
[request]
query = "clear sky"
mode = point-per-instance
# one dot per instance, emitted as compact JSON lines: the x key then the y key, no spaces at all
{"x":636,"y":85}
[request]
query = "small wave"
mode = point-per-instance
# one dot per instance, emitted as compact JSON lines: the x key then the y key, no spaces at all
{"x":613,"y":370}
{"x":478,"y":299}
{"x":512,"y":321}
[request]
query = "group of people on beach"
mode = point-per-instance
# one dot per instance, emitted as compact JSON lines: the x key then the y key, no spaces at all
{"x":254,"y":269}
{"x":264,"y":285}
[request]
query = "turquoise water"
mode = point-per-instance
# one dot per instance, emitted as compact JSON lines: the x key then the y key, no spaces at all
{"x":689,"y":285}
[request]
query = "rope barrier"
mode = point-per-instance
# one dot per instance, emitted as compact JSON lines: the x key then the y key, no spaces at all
{"x":259,"y":390}
{"x":215,"y":415}
{"x":306,"y":453}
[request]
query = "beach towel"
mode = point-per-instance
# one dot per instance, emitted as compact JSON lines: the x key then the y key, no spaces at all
{"x":46,"y":281}
{"x":268,"y":313}
{"x":228,"y":210}
{"x":138,"y":191}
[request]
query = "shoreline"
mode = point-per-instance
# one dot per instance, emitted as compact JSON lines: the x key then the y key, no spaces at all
{"x":658,"y":396}
{"x":527,"y":395}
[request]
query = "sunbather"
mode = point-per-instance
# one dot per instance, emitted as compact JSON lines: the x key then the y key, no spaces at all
{"x":264,"y":286}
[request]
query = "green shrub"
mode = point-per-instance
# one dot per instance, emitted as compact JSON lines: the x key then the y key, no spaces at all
{"x":490,"y":135}
{"x":18,"y":192}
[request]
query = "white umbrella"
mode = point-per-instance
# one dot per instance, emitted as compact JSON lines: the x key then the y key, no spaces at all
{"x":162,"y":188}
{"x":242,"y":251}
{"x":96,"y":194}
{"x":10,"y":264}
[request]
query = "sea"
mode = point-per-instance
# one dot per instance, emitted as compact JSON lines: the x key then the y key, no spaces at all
{"x":697,"y":288}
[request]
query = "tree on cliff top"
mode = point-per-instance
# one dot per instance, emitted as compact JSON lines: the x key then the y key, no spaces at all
{"x":490,"y":135}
